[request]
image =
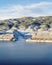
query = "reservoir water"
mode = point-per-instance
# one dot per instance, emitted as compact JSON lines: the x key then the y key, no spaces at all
{"x":23,"y":53}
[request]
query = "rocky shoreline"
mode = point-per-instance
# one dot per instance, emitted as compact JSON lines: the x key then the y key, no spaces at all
{"x":30,"y":40}
{"x":28,"y":36}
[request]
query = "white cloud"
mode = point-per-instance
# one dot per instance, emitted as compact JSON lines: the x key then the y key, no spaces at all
{"x":38,"y":5}
{"x":35,"y":9}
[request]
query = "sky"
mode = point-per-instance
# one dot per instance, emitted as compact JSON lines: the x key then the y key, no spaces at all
{"x":25,"y":8}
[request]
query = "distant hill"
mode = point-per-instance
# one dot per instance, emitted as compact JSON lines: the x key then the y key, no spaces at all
{"x":44,"y":22}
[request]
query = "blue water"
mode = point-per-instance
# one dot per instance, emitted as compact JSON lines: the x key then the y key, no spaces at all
{"x":23,"y":53}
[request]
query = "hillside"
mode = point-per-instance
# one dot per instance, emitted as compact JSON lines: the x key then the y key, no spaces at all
{"x":44,"y":22}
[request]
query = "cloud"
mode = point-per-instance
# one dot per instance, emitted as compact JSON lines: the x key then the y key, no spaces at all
{"x":34,"y":10}
{"x":38,"y":5}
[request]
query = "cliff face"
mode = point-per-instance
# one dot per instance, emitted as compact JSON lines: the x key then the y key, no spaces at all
{"x":6,"y":37}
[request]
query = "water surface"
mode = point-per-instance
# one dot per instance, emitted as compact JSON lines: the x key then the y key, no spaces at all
{"x":23,"y":53}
